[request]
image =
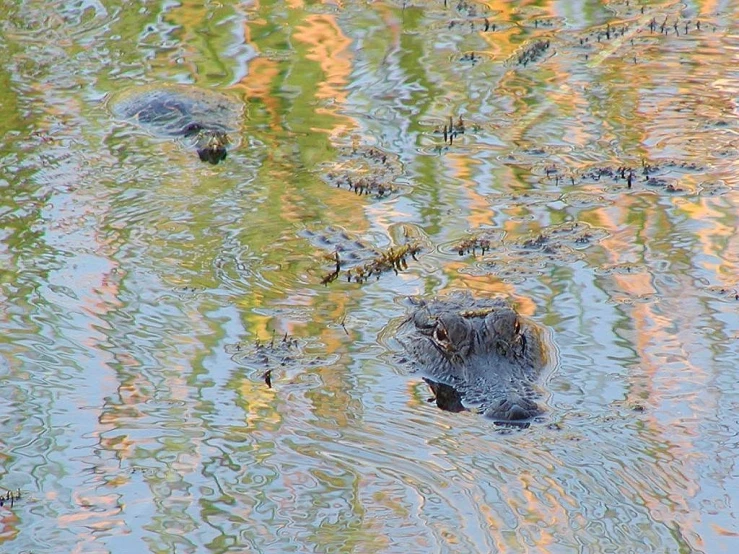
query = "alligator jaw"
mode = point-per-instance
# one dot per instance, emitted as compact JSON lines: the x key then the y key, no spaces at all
{"x":513,"y":409}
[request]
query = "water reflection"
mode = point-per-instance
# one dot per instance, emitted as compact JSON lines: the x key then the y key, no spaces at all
{"x":136,"y":281}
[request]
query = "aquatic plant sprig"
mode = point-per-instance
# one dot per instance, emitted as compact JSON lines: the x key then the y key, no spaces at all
{"x":394,"y":259}
{"x":10,"y":497}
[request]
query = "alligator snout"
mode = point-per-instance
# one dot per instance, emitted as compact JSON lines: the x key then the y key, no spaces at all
{"x":513,"y":409}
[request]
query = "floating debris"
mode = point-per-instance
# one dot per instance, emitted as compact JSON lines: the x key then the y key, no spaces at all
{"x":553,"y":239}
{"x":533,"y":53}
{"x":528,"y":256}
{"x":392,"y":259}
{"x":451,"y":129}
{"x":267,"y":356}
{"x":356,"y":258}
{"x":365,"y":171}
{"x":725,"y":292}
{"x":10,"y":497}
{"x":469,"y":246}
{"x":653,"y":174}
{"x":331,"y":277}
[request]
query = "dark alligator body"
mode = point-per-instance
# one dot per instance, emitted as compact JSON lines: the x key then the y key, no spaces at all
{"x":477,"y":354}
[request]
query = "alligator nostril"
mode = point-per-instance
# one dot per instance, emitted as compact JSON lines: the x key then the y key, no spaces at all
{"x":212,"y":155}
{"x":517,"y":412}
{"x":513,"y":409}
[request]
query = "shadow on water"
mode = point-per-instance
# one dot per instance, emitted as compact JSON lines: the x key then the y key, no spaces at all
{"x":180,"y":375}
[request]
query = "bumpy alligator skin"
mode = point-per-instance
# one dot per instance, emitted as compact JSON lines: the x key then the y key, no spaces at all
{"x":477,"y":354}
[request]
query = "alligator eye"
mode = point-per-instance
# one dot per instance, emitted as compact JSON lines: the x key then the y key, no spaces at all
{"x":440,"y":334}
{"x":517,"y":326}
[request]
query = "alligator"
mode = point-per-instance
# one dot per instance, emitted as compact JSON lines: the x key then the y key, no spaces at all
{"x":477,"y":354}
{"x":203,"y":115}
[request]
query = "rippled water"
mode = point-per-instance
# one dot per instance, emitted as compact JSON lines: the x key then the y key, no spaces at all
{"x":146,"y":296}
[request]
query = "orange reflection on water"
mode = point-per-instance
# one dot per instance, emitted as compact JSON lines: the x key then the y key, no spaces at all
{"x":258,"y":83}
{"x":329,"y":47}
{"x":718,"y":239}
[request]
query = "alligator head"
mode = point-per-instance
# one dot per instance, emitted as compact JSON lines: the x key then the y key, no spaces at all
{"x":211,"y":144}
{"x":477,"y":354}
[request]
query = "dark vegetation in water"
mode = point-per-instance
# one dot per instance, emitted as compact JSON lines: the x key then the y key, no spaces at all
{"x":652,"y":174}
{"x":484,"y":24}
{"x":474,"y":19}
{"x":552,"y":239}
{"x":10,"y":498}
{"x":469,"y":9}
{"x":471,"y":245}
{"x":363,"y":185}
{"x":365,"y":171}
{"x":277,"y":354}
{"x":525,"y":256}
{"x":533,"y":53}
{"x":393,"y":259}
{"x":725,"y":293}
{"x":549,"y":240}
{"x":636,"y":32}
{"x":452,"y":130}
{"x":357,"y":260}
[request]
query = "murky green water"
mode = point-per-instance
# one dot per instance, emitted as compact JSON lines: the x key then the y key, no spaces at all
{"x":136,"y":281}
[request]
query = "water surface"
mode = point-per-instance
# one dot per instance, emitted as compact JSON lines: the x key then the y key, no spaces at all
{"x":145,"y":295}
